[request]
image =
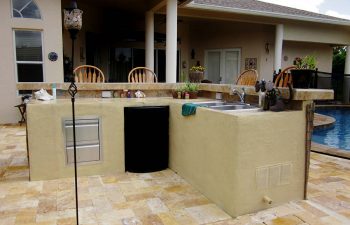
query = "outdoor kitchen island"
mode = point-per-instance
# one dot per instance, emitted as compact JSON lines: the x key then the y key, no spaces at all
{"x":242,"y":161}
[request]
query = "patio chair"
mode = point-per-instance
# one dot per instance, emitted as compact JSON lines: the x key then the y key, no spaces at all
{"x":284,"y":77}
{"x":142,"y":75}
{"x":248,"y":77}
{"x":88,"y":74}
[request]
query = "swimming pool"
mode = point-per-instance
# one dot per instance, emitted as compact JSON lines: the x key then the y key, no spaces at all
{"x":337,"y":136}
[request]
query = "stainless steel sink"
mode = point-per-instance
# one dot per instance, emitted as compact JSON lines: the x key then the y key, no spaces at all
{"x":209,"y":104}
{"x":232,"y":107}
{"x":223,"y":106}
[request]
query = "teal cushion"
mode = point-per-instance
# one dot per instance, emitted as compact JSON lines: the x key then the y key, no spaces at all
{"x":189,"y":109}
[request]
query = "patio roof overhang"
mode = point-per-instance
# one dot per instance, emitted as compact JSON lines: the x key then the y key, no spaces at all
{"x":264,"y":14}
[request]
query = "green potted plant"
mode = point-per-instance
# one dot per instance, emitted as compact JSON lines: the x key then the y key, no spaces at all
{"x":302,"y":74}
{"x":192,"y":90}
{"x":196,"y":74}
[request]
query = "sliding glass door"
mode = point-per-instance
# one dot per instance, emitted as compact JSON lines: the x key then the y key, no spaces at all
{"x":223,"y":65}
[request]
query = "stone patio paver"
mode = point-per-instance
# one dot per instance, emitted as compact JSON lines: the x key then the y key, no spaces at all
{"x":161,"y":198}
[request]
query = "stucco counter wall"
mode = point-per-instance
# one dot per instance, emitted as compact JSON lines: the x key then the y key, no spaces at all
{"x":46,"y":137}
{"x":220,"y":156}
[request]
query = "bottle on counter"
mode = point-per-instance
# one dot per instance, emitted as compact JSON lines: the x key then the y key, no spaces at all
{"x":124,"y":94}
{"x":54,"y":91}
{"x":179,"y":94}
{"x":187,"y":95}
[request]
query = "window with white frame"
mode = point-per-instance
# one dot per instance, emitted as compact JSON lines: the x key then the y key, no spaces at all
{"x":29,"y":56}
{"x":25,"y":9}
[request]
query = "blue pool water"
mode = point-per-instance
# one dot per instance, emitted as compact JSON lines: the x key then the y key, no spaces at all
{"x":337,"y":136}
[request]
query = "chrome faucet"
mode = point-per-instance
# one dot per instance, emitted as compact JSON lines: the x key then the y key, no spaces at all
{"x":240,"y":95}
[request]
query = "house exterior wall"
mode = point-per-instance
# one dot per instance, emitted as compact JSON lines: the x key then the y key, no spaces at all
{"x":51,"y":27}
{"x":293,"y":30}
{"x":317,"y":33}
{"x":322,"y":52}
{"x":251,"y":39}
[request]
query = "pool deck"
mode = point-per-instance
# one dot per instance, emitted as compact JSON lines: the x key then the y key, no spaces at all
{"x":161,"y":198}
{"x":323,"y":122}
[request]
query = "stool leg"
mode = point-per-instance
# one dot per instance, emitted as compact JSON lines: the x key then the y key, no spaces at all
{"x":23,"y":119}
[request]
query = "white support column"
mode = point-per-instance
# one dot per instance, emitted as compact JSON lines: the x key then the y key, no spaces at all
{"x":149,"y":40}
{"x":347,"y":61}
{"x":346,"y":85}
{"x":278,"y":47}
{"x":171,"y":40}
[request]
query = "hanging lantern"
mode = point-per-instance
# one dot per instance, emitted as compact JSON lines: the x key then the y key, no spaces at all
{"x":73,"y":19}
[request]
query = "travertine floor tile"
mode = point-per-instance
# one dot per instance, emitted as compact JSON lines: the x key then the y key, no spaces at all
{"x":207,"y":213}
{"x":161,"y":198}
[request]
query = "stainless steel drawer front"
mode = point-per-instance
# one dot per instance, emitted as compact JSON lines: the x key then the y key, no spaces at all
{"x":84,"y":134}
{"x":87,"y":133}
{"x":86,"y":153}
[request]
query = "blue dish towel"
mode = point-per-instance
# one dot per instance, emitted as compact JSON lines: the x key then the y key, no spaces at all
{"x":189,"y":109}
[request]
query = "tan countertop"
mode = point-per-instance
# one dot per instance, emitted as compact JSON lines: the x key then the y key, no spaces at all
{"x":150,"y":100}
{"x":298,"y":94}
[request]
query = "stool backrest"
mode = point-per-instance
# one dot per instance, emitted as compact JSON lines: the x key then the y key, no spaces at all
{"x":88,"y":74}
{"x":142,"y":75}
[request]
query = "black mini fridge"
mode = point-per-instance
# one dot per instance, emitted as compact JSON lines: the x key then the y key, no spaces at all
{"x":146,"y":133}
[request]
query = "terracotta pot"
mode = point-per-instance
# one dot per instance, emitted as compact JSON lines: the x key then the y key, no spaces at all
{"x":193,"y":94}
{"x":196,"y":76}
{"x":301,"y":78}
{"x":174,"y":93}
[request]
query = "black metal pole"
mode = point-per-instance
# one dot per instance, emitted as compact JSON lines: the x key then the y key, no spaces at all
{"x":72,"y":91}
{"x":75,"y":161}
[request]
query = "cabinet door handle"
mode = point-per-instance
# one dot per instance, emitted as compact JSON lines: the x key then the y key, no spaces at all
{"x":83,"y":146}
{"x":82,"y":125}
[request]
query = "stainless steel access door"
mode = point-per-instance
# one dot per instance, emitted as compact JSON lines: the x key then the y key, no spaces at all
{"x":88,"y":141}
